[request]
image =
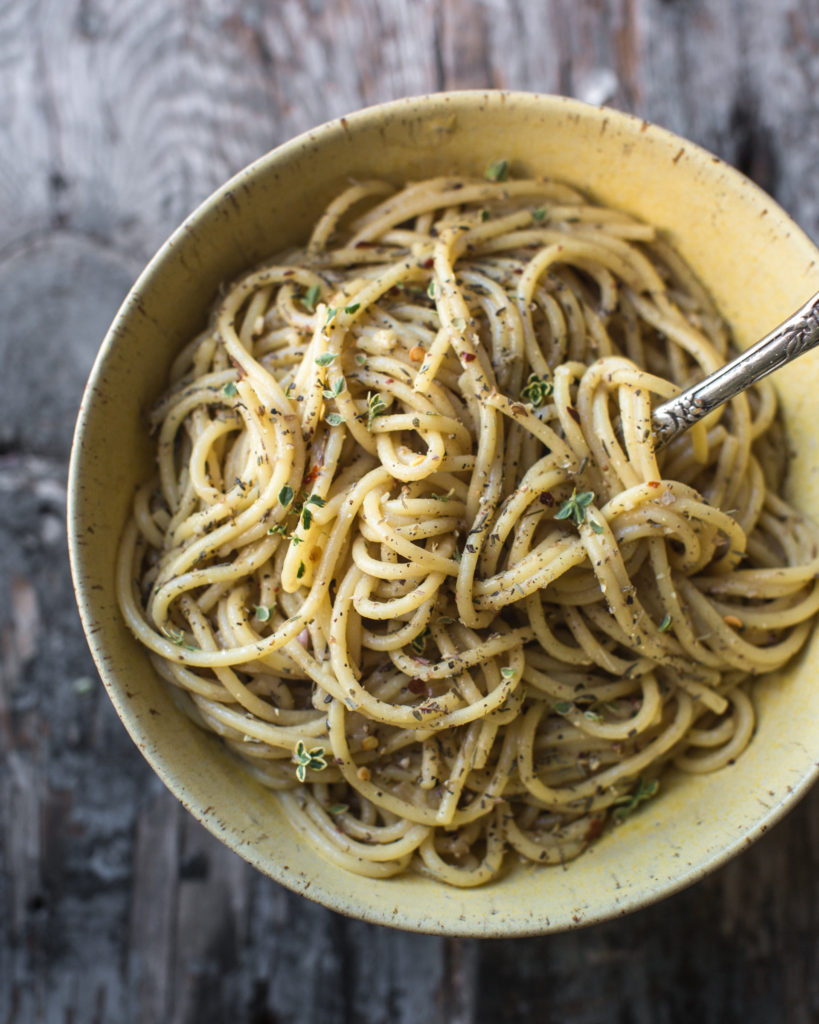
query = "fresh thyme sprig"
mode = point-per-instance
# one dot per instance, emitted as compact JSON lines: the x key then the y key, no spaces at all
{"x":498,"y":170}
{"x":310,"y":298}
{"x":574,"y":508}
{"x":537,"y":390}
{"x":644,"y":791}
{"x":313,"y":759}
{"x":336,"y":389}
{"x":375,"y":407}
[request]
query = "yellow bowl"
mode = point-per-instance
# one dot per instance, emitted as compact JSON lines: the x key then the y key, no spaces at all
{"x":758,"y":266}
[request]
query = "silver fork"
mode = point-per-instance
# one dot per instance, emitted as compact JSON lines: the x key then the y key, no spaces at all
{"x":797,"y":335}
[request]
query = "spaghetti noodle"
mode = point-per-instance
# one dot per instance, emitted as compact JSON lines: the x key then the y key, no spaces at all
{"x":410,"y":550}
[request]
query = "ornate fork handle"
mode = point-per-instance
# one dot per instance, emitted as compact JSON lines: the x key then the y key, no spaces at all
{"x":796,"y":335}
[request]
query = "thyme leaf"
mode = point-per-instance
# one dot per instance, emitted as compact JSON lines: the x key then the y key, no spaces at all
{"x":574,"y":508}
{"x":336,"y":389}
{"x":419,"y":643}
{"x":498,"y":170}
{"x":644,"y":791}
{"x":313,"y":759}
{"x":310,"y":298}
{"x":537,"y":390}
{"x":375,"y":407}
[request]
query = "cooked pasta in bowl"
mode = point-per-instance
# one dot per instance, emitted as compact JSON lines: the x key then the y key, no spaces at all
{"x":388,"y":578}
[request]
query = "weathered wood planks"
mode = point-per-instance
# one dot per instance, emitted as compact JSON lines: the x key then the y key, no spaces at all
{"x":116,"y":118}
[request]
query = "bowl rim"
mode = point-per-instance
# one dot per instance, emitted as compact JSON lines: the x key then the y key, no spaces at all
{"x":603,"y":910}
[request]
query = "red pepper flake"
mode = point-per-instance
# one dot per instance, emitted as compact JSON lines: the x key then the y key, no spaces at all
{"x":417,"y":686}
{"x":594,"y":831}
{"x":654,"y":483}
{"x":365,"y":245}
{"x":288,"y":273}
{"x":311,"y":476}
{"x":575,"y":415}
{"x":547,"y":499}
{"x":428,"y":263}
{"x":467,"y":357}
{"x":389,"y":380}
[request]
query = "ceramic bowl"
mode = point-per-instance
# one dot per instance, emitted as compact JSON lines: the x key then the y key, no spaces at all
{"x":758,"y":266}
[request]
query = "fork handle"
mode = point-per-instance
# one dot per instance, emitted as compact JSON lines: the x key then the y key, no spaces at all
{"x":796,"y":335}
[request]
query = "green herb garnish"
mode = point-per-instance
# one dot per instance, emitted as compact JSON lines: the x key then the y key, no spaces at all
{"x":563,"y":707}
{"x":336,"y":389}
{"x":375,"y":407}
{"x":665,"y":624}
{"x":353,"y":308}
{"x":431,"y":289}
{"x":334,"y":419}
{"x":300,"y":571}
{"x":360,"y":358}
{"x":498,"y":170}
{"x":325,"y":358}
{"x":595,"y":526}
{"x":313,"y":759}
{"x":310,"y":297}
{"x":316,"y":499}
{"x":644,"y":791}
{"x":539,"y":215}
{"x":575,"y":507}
{"x":285,"y":495}
{"x":338,"y":808}
{"x":485,"y":215}
{"x":419,"y":643}
{"x":508,"y":672}
{"x":230,"y":389}
{"x":306,"y":517}
{"x":331,"y":312}
{"x":537,"y":390}
{"x":176,"y":636}
{"x":262,"y":612}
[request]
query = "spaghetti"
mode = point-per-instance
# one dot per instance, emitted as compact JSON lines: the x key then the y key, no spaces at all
{"x":410,"y":550}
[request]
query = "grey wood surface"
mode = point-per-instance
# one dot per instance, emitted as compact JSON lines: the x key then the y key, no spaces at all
{"x":116,"y":118}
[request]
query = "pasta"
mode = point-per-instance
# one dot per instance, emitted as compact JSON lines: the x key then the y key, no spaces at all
{"x":410,"y":550}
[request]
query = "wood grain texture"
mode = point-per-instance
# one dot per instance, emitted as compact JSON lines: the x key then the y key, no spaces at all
{"x":117,"y":118}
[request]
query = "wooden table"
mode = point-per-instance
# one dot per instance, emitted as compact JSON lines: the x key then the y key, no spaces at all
{"x":117,"y":118}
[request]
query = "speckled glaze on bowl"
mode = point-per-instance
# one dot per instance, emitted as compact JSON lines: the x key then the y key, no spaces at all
{"x":759,"y":267}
